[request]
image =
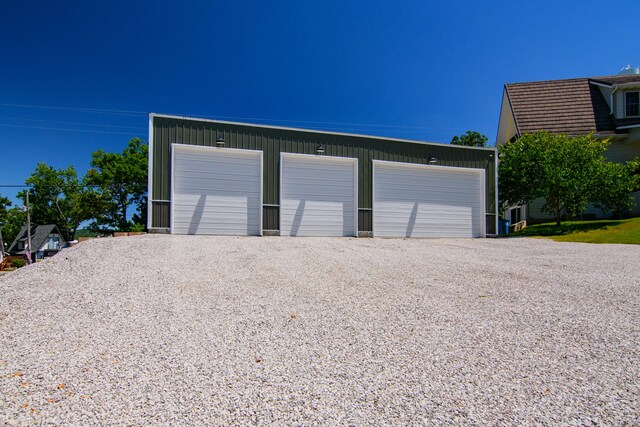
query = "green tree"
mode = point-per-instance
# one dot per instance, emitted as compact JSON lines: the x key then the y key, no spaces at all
{"x":58,"y":196}
{"x":565,"y":171}
{"x":617,"y":181}
{"x":470,"y":139}
{"x":4,"y":205}
{"x":12,"y":221}
{"x":121,"y":181}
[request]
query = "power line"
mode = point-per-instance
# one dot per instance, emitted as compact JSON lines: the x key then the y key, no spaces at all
{"x":312,"y":122}
{"x":329,"y":126}
{"x":137,"y":113}
{"x":74,"y":123}
{"x":68,"y":129}
{"x":79,"y":185}
{"x":78,"y":109}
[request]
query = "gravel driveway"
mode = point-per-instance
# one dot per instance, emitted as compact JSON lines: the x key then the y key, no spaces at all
{"x":192,"y":330}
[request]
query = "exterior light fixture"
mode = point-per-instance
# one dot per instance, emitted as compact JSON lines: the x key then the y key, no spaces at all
{"x":220,"y":141}
{"x":432,"y":159}
{"x":319,"y":149}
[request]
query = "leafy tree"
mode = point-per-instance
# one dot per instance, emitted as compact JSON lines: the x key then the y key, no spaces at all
{"x":470,"y":139}
{"x":121,"y":181}
{"x":4,"y":205}
{"x":58,"y":196}
{"x":617,"y":181}
{"x":12,"y":221}
{"x":565,"y":171}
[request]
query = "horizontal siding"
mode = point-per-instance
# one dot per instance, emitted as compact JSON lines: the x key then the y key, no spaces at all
{"x":318,"y":197}
{"x":275,"y":141}
{"x":212,"y":196}
{"x":426,"y":202}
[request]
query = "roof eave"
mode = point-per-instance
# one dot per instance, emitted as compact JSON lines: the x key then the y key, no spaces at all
{"x":629,"y":126}
{"x":353,"y":135}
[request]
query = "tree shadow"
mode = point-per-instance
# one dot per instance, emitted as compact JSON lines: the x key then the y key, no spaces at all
{"x":570,"y":227}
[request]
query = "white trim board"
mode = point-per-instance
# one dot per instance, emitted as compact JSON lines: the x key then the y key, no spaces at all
{"x":217,"y":201}
{"x":391,"y":217}
{"x":322,"y":206}
{"x":150,"y":172}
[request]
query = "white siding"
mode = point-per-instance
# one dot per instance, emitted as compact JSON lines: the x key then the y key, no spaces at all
{"x":618,"y":98}
{"x":216,"y":191}
{"x":318,"y":196}
{"x":427,"y":201}
{"x":506,"y":124}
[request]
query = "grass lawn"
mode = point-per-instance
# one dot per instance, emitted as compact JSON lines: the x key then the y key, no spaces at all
{"x":604,"y":231}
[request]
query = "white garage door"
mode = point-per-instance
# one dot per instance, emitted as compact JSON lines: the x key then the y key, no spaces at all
{"x":318,"y":195}
{"x":216,"y":191}
{"x":412,"y":200}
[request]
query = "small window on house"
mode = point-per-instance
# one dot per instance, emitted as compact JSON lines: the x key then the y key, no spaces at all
{"x":53,"y":243}
{"x":631,"y":104}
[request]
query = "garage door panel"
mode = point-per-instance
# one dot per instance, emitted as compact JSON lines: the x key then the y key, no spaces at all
{"x":427,"y":201}
{"x":318,"y":196}
{"x":434,"y":185}
{"x":216,"y":191}
{"x":193,"y":190}
{"x":220,"y":173}
{"x":317,"y":207}
{"x":307,"y":165}
{"x":434,"y":197}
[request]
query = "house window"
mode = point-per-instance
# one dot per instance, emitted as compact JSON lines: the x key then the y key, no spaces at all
{"x":631,"y":104}
{"x":53,"y":243}
{"x":516,"y":215}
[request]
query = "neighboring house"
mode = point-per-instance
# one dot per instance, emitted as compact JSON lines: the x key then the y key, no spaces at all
{"x":46,"y":241}
{"x":608,"y":107}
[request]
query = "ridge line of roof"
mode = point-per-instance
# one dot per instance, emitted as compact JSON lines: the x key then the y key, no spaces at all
{"x":550,"y":81}
{"x":355,"y":135}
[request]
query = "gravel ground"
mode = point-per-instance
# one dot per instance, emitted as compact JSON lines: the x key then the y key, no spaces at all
{"x":189,"y":330}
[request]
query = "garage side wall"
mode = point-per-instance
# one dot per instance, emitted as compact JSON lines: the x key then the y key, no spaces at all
{"x":273,"y":141}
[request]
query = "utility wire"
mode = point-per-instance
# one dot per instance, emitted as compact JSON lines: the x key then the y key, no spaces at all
{"x":68,"y":129}
{"x":138,"y":113}
{"x":79,"y":185}
{"x":74,"y":123}
{"x":78,"y":109}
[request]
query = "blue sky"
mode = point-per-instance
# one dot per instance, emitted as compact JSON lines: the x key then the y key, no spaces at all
{"x":78,"y":76}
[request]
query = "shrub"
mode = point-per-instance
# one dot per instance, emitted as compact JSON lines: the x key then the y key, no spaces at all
{"x":137,"y":227}
{"x":17,"y":263}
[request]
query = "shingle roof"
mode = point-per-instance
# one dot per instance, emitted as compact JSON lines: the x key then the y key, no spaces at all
{"x":39,"y":234}
{"x":616,"y":80}
{"x":572,"y":106}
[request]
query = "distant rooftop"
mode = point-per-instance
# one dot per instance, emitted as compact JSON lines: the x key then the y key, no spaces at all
{"x":572,"y":106}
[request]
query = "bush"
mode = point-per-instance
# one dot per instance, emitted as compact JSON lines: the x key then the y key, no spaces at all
{"x":17,"y":263}
{"x":137,"y":227}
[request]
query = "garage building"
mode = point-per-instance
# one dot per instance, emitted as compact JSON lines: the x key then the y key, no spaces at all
{"x":223,"y":178}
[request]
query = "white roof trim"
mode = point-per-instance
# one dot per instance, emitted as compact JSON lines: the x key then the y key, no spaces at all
{"x":628,"y":126}
{"x":630,"y":84}
{"x":600,"y":84}
{"x":224,"y":122}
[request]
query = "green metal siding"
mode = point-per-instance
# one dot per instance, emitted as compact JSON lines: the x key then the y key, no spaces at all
{"x":273,"y":141}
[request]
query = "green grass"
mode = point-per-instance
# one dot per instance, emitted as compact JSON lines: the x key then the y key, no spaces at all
{"x":604,"y":231}
{"x":83,"y":232}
